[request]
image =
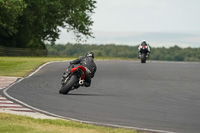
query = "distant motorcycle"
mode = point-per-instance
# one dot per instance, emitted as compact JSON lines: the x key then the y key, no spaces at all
{"x":144,"y":55}
{"x":73,"y":80}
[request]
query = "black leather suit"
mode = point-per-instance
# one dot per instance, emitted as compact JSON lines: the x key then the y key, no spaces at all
{"x":88,"y":63}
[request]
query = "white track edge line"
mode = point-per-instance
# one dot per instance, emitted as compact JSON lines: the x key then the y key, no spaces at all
{"x":88,"y":122}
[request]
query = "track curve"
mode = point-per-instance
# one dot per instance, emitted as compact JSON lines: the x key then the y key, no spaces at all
{"x":156,"y":95}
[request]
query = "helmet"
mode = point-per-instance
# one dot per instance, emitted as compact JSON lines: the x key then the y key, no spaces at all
{"x":144,"y":41}
{"x":90,"y":54}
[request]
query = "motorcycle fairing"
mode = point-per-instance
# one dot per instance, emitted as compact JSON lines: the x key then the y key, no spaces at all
{"x":79,"y":68}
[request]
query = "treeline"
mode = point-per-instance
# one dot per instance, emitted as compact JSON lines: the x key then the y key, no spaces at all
{"x":174,"y":53}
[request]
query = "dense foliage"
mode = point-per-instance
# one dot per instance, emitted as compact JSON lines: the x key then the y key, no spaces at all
{"x":111,"y":50}
{"x":176,"y":54}
{"x":29,"y":23}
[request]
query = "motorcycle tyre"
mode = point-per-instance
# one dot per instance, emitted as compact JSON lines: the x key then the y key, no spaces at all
{"x":143,"y":58}
{"x":65,"y":89}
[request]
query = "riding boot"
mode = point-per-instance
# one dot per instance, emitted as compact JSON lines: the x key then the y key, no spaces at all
{"x":147,"y":55}
{"x":86,"y":84}
{"x":139,"y":56}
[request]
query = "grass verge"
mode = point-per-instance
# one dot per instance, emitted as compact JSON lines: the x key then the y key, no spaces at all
{"x":22,"y":66}
{"x":21,"y":124}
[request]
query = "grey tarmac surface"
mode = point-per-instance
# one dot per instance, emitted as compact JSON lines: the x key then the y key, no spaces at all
{"x":156,"y":95}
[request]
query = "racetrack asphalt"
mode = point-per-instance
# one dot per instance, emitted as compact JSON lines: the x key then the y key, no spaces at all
{"x":163,"y":96}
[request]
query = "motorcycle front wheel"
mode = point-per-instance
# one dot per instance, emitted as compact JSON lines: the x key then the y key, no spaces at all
{"x":68,"y":86}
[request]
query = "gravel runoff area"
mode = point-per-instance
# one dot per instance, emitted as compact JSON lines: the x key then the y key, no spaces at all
{"x":7,"y":106}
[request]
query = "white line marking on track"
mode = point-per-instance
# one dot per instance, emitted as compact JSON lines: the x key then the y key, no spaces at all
{"x":88,"y":122}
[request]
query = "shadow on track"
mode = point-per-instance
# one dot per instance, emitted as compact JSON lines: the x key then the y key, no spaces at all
{"x":72,"y":94}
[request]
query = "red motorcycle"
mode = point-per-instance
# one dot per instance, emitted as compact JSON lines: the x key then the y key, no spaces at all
{"x":73,"y":80}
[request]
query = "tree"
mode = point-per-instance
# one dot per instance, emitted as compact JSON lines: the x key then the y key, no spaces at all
{"x":41,"y":19}
{"x":9,"y":12}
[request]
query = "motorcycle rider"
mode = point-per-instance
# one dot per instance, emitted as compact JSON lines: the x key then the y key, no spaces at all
{"x":144,"y":43}
{"x":87,"y":62}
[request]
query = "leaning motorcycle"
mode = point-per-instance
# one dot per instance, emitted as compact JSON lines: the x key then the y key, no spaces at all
{"x":73,"y":80}
{"x":143,"y":51}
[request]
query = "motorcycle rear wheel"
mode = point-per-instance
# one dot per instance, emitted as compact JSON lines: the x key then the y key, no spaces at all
{"x":143,"y":58}
{"x":68,"y":86}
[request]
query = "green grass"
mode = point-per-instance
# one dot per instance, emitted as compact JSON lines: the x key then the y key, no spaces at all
{"x":21,"y":124}
{"x":22,"y":66}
